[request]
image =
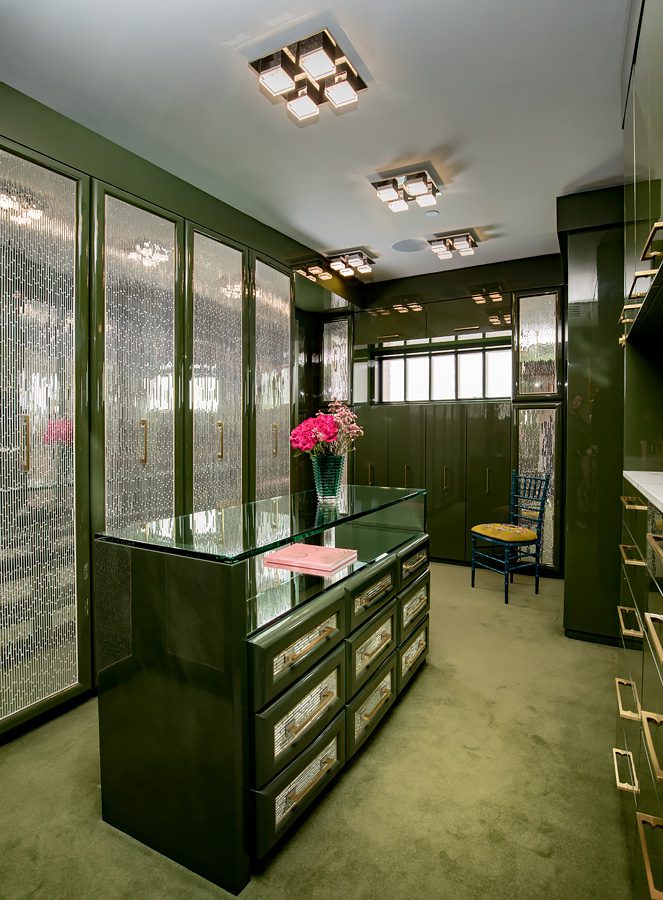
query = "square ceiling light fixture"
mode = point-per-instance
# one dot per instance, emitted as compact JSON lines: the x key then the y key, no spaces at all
{"x":446,"y":246}
{"x":399,"y":192}
{"x":346,"y":263}
{"x":309,"y":73}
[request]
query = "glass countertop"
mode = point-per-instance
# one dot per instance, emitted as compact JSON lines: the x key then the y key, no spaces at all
{"x":234,"y":533}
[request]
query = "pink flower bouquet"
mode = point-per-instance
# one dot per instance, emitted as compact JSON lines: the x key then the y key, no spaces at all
{"x":327,"y":434}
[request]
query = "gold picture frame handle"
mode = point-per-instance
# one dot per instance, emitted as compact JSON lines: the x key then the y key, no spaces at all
{"x":275,"y":439}
{"x":633,"y":787}
{"x":295,"y":797}
{"x":323,"y":635}
{"x":648,"y":717}
{"x":653,"y":822}
{"x":327,"y":697}
{"x":647,"y":252}
{"x":628,"y":632}
{"x":650,"y":618}
{"x":623,"y":712}
{"x":631,"y":560}
{"x":367,"y":717}
{"x":25,"y":439}
{"x":220,"y":451}
{"x":143,"y":425}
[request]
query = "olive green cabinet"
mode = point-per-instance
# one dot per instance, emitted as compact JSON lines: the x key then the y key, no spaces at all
{"x":488,"y":464}
{"x":407,"y":443}
{"x":373,"y":327}
{"x":445,"y":479}
{"x":371,"y":458}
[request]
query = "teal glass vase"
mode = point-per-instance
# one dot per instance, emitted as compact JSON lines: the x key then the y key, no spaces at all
{"x":327,"y":474}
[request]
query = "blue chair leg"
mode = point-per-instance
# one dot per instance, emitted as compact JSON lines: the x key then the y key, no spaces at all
{"x":474,"y":550}
{"x":507,"y":561}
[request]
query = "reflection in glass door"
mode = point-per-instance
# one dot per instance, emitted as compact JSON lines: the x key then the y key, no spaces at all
{"x":38,"y":302}
{"x":217,"y":373}
{"x":139,"y":390}
{"x":272,"y":381}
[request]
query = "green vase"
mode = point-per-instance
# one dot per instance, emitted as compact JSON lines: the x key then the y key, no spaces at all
{"x":327,"y":473}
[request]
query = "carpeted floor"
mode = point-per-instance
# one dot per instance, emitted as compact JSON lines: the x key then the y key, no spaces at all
{"x":492,"y":779}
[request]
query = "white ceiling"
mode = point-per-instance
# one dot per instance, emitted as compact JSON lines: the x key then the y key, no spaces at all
{"x":514,"y":102}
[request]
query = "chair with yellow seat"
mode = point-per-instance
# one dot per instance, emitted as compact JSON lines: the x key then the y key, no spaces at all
{"x":516,"y":545}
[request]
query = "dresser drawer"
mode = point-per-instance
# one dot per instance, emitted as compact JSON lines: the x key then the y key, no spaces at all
{"x":366,"y":592}
{"x":634,"y":517}
{"x":370,"y":706}
{"x":648,"y":881}
{"x":286,"y":726}
{"x":284,"y":800}
{"x":412,"y":604}
{"x":634,"y":570}
{"x":369,"y":646}
{"x":411,"y":654}
{"x":280,"y":654}
{"x":413,"y":559}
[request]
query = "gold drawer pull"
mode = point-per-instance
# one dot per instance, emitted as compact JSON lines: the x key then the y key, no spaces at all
{"x":143,"y":425}
{"x":275,"y":436}
{"x":25,"y":433}
{"x":628,"y":713}
{"x":648,"y":717}
{"x":219,"y":454}
{"x":385,"y":694}
{"x":650,"y":618}
{"x":655,"y":541}
{"x":371,"y":594}
{"x":634,"y":786}
{"x":633,"y":503}
{"x":648,"y":253}
{"x":444,"y":478}
{"x":653,"y":822}
{"x":412,"y":608}
{"x":369,"y":655}
{"x":624,"y":549}
{"x":294,"y":797}
{"x":292,"y":658}
{"x":628,"y":632}
{"x":414,"y":561}
{"x":413,"y":652}
{"x":327,"y":697}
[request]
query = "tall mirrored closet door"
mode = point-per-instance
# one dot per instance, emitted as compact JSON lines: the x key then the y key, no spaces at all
{"x":43,"y":444}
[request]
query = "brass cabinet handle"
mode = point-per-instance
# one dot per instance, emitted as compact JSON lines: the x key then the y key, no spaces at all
{"x":293,"y":728}
{"x":650,"y":618}
{"x":405,"y":470}
{"x":487,"y":480}
{"x":143,"y":425}
{"x":323,"y":634}
{"x":369,"y":655}
{"x":648,"y":717}
{"x":629,"y":632}
{"x":444,"y":478}
{"x":370,"y":473}
{"x":412,"y":608}
{"x":633,"y":503}
{"x":648,"y":253}
{"x":628,"y":713}
{"x":385,"y":694}
{"x":653,"y":822}
{"x":294,"y":797}
{"x":219,"y":425}
{"x":634,"y":786}
{"x":414,"y":561}
{"x":25,"y":432}
{"x":275,"y":435}
{"x":631,"y":560}
{"x":373,"y":593}
{"x":655,"y":541}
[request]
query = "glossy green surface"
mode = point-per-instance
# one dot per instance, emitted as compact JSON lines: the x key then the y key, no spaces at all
{"x":407,"y":446}
{"x":446,"y":479}
{"x":371,"y":457}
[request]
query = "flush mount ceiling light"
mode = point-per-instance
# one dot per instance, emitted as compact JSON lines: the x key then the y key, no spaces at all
{"x":346,"y":263}
{"x":464,"y":244}
{"x":307,"y":74}
{"x":398,"y":192}
{"x":478,"y":298}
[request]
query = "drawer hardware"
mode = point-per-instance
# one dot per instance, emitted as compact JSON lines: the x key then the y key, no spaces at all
{"x":629,"y":313}
{"x":634,"y":786}
{"x":648,"y":717}
{"x":297,"y":790}
{"x":295,"y":728}
{"x":648,"y":253}
{"x":219,"y":454}
{"x":628,"y":632}
{"x":414,"y":561}
{"x":25,"y":434}
{"x":631,"y":560}
{"x":143,"y":425}
{"x":275,"y":438}
{"x":633,"y":503}
{"x":367,"y":597}
{"x":628,"y":713}
{"x":367,"y":656}
{"x":653,"y":822}
{"x":296,"y":652}
{"x":413,"y":652}
{"x":655,"y":541}
{"x":650,"y":618}
{"x":444,"y":478}
{"x":638,"y":291}
{"x":414,"y":605}
{"x":367,"y":717}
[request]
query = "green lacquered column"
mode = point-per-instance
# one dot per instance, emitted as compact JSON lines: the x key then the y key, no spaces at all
{"x":445,"y":479}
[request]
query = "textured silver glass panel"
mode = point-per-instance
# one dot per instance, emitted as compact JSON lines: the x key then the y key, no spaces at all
{"x":413,"y":606}
{"x":335,"y":360}
{"x":306,"y":713}
{"x":413,"y":652}
{"x":370,"y":649}
{"x":139,"y":364}
{"x":537,"y":429}
{"x":38,"y":604}
{"x":369,"y":708}
{"x":306,"y":644}
{"x":217,"y":373}
{"x":291,"y":796}
{"x":537,"y":344}
{"x":272,"y":391}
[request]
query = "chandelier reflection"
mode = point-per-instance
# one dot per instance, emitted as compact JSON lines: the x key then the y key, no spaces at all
{"x":149,"y":254}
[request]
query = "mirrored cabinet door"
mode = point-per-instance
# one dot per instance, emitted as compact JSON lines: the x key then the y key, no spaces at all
{"x":139,"y":363}
{"x":217,"y":372}
{"x":40,"y":438}
{"x":272,"y":381}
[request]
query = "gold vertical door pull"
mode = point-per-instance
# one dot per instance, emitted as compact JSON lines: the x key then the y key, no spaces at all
{"x":275,"y":435}
{"x":143,"y":425}
{"x":405,"y":471}
{"x":370,"y":473}
{"x":487,"y":480}
{"x":219,"y":425}
{"x":444,"y":478}
{"x":25,"y":433}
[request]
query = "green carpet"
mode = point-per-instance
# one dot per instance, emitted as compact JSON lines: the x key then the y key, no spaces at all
{"x":492,"y":779}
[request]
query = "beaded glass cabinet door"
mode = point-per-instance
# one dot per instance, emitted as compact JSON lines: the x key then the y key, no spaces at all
{"x":216,"y":289}
{"x":39,"y":641}
{"x":272,"y":381}
{"x":139,"y":364}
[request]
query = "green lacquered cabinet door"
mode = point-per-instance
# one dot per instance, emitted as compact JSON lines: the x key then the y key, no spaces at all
{"x":488,"y":464}
{"x":407,"y":446}
{"x":371,"y":456}
{"x":445,"y":479}
{"x":372,"y":328}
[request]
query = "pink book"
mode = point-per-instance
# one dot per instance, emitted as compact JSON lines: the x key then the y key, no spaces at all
{"x":310,"y":558}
